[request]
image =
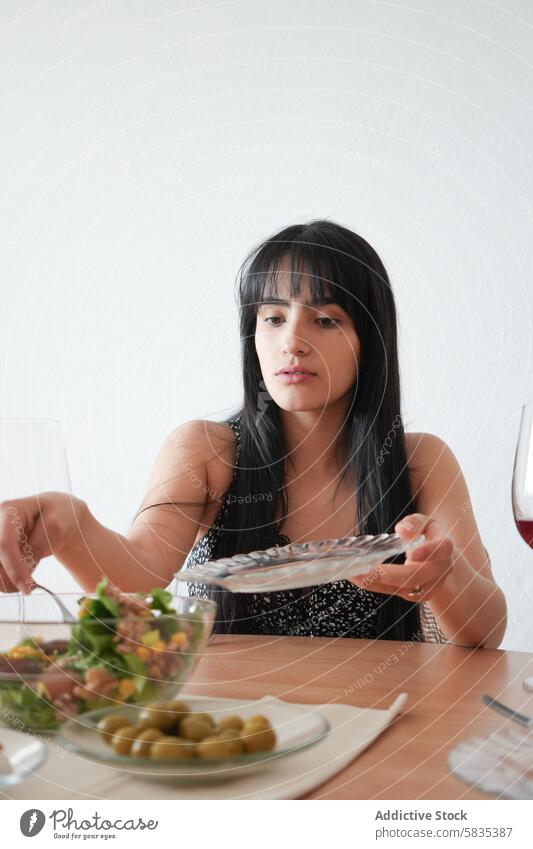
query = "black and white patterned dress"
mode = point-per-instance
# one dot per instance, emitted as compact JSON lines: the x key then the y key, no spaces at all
{"x":338,"y":609}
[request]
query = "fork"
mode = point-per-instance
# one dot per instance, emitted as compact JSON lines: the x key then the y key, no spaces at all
{"x":521,"y":718}
{"x":67,"y":615}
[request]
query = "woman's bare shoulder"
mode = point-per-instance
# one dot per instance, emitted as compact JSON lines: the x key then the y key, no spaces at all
{"x":204,"y":436}
{"x":426,"y":453}
{"x":213,"y":444}
{"x":421,"y":446}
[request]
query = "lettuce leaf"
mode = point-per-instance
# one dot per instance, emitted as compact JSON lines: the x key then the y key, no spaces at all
{"x":161,"y":600}
{"x":138,"y":670}
{"x":91,"y":636}
{"x":26,"y":705}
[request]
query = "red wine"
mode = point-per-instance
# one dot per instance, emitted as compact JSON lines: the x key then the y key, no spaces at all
{"x":525,"y":528}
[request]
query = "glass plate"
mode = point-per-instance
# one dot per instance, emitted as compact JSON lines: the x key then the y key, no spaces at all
{"x":25,"y":754}
{"x":501,"y":763}
{"x":296,"y":729}
{"x":303,"y":564}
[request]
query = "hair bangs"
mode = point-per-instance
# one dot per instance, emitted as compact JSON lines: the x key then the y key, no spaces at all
{"x":306,"y":265}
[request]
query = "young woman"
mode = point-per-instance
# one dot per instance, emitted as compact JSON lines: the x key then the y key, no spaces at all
{"x":317,"y":451}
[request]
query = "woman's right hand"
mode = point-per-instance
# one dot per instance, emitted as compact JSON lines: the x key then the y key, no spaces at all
{"x":32,"y":528}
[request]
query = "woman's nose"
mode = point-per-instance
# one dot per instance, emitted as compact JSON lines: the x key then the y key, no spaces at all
{"x":294,"y":339}
{"x":295,"y":344}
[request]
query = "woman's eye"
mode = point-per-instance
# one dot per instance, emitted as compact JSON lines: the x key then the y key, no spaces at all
{"x":329,"y":321}
{"x":336,"y":321}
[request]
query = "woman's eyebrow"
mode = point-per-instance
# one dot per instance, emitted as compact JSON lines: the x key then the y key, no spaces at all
{"x":318,"y":303}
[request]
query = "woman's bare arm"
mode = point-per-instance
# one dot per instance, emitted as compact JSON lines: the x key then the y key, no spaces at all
{"x":451,"y":567}
{"x":158,"y":542}
{"x":470,"y":607}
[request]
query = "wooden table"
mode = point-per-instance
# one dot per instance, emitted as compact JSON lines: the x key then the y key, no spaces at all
{"x":408,"y":761}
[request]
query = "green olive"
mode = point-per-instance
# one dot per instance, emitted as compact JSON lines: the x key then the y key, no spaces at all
{"x":206,"y":717}
{"x":163,"y":715}
{"x":153,"y":721}
{"x":232,"y":736}
{"x":173,"y":705}
{"x":172,"y":748}
{"x":111,"y":723}
{"x":234,"y":722}
{"x":195,"y":727}
{"x":258,"y":735}
{"x":219,"y":747}
{"x":123,"y":738}
{"x":141,"y":745}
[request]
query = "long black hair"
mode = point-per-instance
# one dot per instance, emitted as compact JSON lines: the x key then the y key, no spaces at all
{"x":334,"y":261}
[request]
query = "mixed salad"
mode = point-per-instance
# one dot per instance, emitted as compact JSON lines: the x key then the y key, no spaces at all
{"x":123,"y":648}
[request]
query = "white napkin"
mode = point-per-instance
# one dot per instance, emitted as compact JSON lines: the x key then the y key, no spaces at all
{"x":68,"y":776}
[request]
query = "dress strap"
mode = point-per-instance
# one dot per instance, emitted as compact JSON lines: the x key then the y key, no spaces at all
{"x":236,"y":428}
{"x":235,"y":425}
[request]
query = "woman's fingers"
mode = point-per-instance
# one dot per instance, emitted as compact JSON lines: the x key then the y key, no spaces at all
{"x":415,"y":524}
{"x":439,"y":549}
{"x":32,"y":528}
{"x":386,"y":589}
{"x":17,"y":555}
{"x":401,"y":575}
{"x":425,"y":566}
{"x":402,"y":578}
{"x":426,"y":589}
{"x":375,"y":586}
{"x":437,"y":544}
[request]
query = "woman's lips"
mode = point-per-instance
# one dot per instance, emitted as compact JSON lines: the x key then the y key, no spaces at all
{"x":291,"y":377}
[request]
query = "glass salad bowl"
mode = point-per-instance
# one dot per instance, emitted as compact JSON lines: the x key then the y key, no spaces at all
{"x":121,"y":648}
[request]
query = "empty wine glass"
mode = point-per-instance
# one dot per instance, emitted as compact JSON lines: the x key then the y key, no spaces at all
{"x":33,"y":460}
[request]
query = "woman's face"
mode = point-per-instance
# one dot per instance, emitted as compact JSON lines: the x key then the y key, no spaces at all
{"x":321,"y":339}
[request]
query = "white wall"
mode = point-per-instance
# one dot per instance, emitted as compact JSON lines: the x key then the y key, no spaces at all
{"x":146,"y":146}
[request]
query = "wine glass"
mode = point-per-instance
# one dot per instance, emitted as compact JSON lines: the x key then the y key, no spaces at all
{"x":522,"y":488}
{"x":33,"y":460}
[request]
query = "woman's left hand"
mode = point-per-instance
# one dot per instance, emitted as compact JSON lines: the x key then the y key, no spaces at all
{"x":426,"y":567}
